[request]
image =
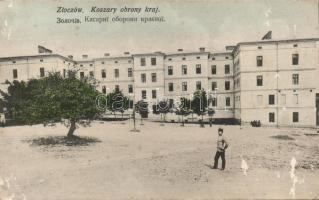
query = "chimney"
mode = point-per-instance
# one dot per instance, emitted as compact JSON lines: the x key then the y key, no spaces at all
{"x":84,"y":56}
{"x":106,"y":54}
{"x":126,"y":53}
{"x":267,"y":36}
{"x":180,"y":50}
{"x":43,"y":50}
{"x":156,"y":52}
{"x":70,"y":56}
{"x":202,"y":49}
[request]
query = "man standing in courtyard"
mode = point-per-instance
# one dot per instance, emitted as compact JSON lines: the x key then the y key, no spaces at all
{"x":221,"y":148}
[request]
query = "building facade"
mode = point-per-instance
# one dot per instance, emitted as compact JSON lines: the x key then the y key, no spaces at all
{"x":274,"y":81}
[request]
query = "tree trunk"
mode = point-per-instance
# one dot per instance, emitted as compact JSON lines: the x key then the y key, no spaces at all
{"x":182,"y":120}
{"x":72,"y":129}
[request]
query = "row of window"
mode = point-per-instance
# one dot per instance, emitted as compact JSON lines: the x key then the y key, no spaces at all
{"x":153,"y":77}
{"x":198,"y":86}
{"x":117,"y":88}
{"x":271,"y":99}
{"x":198,"y":69}
{"x":117,"y":73}
{"x":41,"y":70}
{"x":143,"y":61}
{"x":294,"y":60}
{"x":295,"y":117}
{"x":295,"y":79}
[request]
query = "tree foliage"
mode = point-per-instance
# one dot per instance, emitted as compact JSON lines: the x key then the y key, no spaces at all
{"x":117,"y":102}
{"x":51,"y":99}
{"x":142,"y":108}
{"x":199,"y":102}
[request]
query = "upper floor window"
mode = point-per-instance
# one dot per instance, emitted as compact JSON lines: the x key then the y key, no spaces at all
{"x":130,"y":88}
{"x":170,"y":70}
{"x":117,"y":88}
{"x":116,"y":73}
{"x":198,"y":85}
{"x":184,"y":69}
{"x":91,"y":73}
{"x":154,"y":77}
{"x":271,"y":99}
{"x":129,"y":72}
{"x":198,"y":69}
{"x":143,"y":62}
{"x":214,"y":86}
{"x":41,"y":72}
{"x":143,"y":94}
{"x":143,"y":78}
{"x":103,"y":89}
{"x":271,"y":117}
{"x":153,"y":61}
{"x":81,"y":75}
{"x":227,"y":69}
{"x":227,"y":101}
{"x":170,"y":87}
{"x":295,"y":117}
{"x":295,"y":79}
{"x":214,"y":101}
{"x":259,"y":60}
{"x":214,"y":69}
{"x":103,"y":73}
{"x":15,"y":73}
{"x":259,"y":80}
{"x":153,"y":94}
{"x":295,"y":59}
{"x":227,"y":85}
{"x":184,"y":86}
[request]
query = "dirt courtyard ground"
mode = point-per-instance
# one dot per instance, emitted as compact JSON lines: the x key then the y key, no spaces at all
{"x":159,"y":162}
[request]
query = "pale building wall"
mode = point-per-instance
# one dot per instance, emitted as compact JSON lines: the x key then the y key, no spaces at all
{"x":176,"y":61}
{"x":109,"y":64}
{"x":220,"y":60}
{"x":247,"y":100}
{"x":277,"y":71}
{"x":148,"y":69}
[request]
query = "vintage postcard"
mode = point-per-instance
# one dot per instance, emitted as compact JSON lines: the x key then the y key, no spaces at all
{"x":159,"y":99}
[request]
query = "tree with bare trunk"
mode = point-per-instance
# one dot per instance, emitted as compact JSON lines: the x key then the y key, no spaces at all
{"x":52,"y":99}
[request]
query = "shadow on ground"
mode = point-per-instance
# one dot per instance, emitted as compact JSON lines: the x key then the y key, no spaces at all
{"x":283,"y":137}
{"x":63,"y":141}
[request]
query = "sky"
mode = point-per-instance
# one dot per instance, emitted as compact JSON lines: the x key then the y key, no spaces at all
{"x":189,"y":24}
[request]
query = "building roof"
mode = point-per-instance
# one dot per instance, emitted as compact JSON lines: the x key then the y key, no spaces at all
{"x":279,"y":40}
{"x":185,"y":53}
{"x":35,"y":56}
{"x":275,"y":41}
{"x":149,"y":54}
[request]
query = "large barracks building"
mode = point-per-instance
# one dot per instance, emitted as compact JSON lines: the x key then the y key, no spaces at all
{"x":274,"y":81}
